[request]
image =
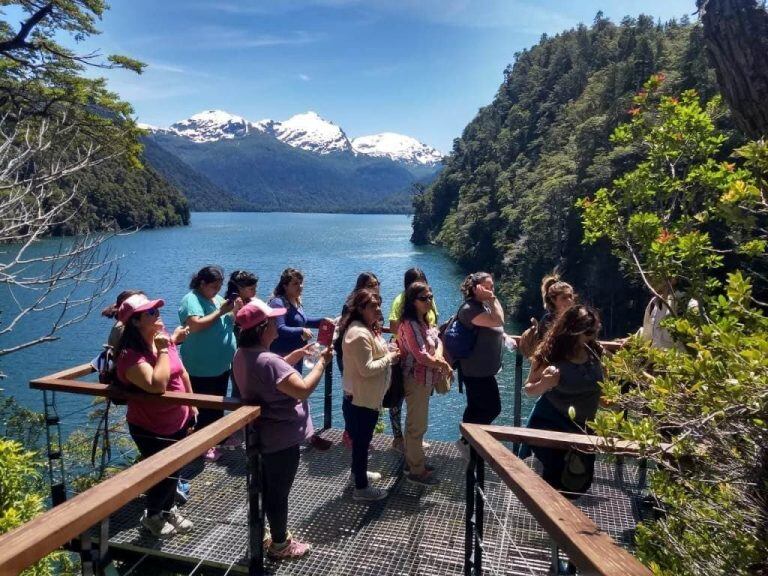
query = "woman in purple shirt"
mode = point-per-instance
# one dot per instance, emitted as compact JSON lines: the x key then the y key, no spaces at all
{"x":271,"y":381}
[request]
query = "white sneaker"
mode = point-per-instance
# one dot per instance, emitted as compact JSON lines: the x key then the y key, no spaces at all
{"x":158,"y":525}
{"x":181,"y":524}
{"x":369,"y":494}
{"x":372,"y":477}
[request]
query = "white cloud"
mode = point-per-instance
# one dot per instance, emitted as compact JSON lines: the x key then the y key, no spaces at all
{"x":304,"y":77}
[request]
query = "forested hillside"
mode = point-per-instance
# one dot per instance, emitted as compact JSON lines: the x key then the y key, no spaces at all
{"x":505,"y":200}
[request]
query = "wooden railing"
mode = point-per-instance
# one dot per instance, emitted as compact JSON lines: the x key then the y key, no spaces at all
{"x":590,"y":549}
{"x":53,"y":529}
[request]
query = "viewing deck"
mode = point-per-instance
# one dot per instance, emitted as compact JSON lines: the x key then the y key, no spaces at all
{"x":415,"y":531}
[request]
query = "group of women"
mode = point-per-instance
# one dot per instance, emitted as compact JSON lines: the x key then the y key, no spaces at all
{"x":261,"y":346}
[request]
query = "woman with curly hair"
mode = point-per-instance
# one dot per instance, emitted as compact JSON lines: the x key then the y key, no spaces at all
{"x":566,"y":375}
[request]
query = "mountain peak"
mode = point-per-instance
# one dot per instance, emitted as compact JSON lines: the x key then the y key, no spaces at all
{"x":211,"y":125}
{"x":309,"y":131}
{"x":397,"y":147}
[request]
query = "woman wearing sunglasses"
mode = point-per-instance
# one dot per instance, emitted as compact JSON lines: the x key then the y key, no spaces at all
{"x":148,"y":360}
{"x":422,"y":362}
{"x":566,"y":374}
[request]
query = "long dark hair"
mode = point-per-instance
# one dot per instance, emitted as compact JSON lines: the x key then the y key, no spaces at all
{"x":363,"y":279}
{"x":413,"y":275}
{"x":209,"y":274}
{"x":111,"y":310}
{"x":561,"y":340}
{"x":131,"y":338}
{"x":409,"y":302}
{"x":240,"y":279}
{"x":286,"y":277}
{"x":357,"y":304}
{"x":470,"y":283}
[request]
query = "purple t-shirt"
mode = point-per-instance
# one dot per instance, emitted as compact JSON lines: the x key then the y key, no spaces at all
{"x":284,"y":421}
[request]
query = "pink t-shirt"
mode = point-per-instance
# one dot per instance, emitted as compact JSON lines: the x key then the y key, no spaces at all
{"x":158,"y":418}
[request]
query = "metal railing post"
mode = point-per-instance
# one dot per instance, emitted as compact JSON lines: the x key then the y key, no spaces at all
{"x":518,"y":399}
{"x":56,"y":474}
{"x":255,"y":504}
{"x":473,"y":535}
{"x":328,"y":398}
{"x":554,"y":567}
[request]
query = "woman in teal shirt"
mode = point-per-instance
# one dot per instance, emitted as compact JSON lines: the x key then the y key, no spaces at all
{"x":208,"y":350}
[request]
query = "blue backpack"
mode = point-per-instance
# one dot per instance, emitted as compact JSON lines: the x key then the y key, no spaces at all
{"x":458,"y":340}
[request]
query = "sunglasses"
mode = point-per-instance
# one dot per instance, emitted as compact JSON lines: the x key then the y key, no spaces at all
{"x":427,"y":298}
{"x":152,"y":312}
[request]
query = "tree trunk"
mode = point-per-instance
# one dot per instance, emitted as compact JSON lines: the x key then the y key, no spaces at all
{"x":736,"y":35}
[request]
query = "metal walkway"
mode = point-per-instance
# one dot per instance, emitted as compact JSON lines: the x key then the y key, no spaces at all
{"x":415,"y":531}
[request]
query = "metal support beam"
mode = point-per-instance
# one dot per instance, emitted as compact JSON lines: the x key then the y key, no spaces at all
{"x":518,"y":398}
{"x":328,"y":398}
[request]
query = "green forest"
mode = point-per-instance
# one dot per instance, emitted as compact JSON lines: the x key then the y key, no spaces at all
{"x":505,"y":201}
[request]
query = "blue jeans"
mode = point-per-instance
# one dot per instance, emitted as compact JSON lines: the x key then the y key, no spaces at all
{"x":363,"y":422}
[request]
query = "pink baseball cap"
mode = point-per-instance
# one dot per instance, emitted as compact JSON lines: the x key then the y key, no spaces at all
{"x":135,"y":304}
{"x":256,"y":312}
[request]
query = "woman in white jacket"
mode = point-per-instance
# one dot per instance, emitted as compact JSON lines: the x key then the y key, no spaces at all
{"x":367,"y":371}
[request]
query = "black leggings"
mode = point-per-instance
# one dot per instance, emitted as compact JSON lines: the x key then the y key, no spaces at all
{"x":160,"y":496}
{"x":361,"y":430}
{"x":278,"y":470}
{"x":483,"y":400}
{"x":215,"y":385}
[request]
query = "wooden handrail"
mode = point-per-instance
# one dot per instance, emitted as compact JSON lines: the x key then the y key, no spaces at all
{"x":592,"y":550}
{"x":566,"y":440}
{"x":64,"y":382}
{"x":29,"y":543}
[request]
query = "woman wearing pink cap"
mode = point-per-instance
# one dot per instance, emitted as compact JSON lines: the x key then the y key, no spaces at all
{"x":270,"y":380}
{"x":148,"y":360}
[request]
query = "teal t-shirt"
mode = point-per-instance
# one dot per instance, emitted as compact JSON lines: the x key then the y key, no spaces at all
{"x":208,"y":352}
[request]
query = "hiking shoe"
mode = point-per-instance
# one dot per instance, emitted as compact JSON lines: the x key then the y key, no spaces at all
{"x":319,"y":443}
{"x":213,"y":454}
{"x":158,"y":525}
{"x":425,"y":479}
{"x":291,"y":548}
{"x":463,"y":448}
{"x":372,"y":477}
{"x":346,"y":439}
{"x":398,"y":444}
{"x":427,"y":467}
{"x":181,"y":524}
{"x":369,"y":494}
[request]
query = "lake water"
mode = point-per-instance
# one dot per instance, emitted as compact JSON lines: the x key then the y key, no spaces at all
{"x":330,"y":249}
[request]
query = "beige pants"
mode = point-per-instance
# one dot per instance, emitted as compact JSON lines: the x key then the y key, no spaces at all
{"x":417,"y":405}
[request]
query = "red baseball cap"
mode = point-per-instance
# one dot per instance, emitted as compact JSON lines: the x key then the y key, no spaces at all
{"x":256,"y":312}
{"x":135,"y":304}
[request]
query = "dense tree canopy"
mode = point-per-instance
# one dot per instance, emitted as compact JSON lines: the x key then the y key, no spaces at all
{"x":505,"y":201}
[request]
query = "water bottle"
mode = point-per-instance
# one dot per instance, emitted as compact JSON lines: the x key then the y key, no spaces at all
{"x":311,"y":359}
{"x":509,"y":343}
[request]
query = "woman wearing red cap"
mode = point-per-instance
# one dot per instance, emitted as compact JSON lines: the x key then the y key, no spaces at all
{"x":148,"y":360}
{"x":270,"y":380}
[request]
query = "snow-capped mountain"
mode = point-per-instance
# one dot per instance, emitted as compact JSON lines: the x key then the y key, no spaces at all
{"x":212,"y":125}
{"x":397,"y":147}
{"x":311,"y":132}
{"x":308,"y":131}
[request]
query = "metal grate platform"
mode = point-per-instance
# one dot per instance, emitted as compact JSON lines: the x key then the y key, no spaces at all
{"x":415,"y":531}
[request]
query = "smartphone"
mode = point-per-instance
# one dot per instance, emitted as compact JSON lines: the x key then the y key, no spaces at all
{"x":325,"y":333}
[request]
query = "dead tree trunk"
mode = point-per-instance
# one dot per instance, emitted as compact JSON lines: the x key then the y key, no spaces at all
{"x":736,"y":35}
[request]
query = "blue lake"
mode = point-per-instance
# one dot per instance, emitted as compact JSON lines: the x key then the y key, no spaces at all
{"x":330,"y":249}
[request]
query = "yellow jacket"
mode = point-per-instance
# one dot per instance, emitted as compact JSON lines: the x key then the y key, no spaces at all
{"x":367,"y":368}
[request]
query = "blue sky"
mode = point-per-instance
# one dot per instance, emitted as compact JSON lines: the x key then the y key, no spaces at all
{"x":418,"y":67}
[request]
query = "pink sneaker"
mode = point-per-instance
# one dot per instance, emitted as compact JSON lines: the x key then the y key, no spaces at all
{"x":293,"y":549}
{"x":213,"y":454}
